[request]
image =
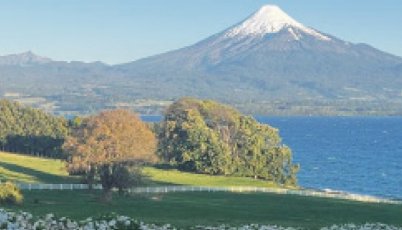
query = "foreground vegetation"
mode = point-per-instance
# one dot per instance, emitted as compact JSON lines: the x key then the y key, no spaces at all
{"x":110,"y":148}
{"x":207,"y":137}
{"x":189,"y":209}
{"x":10,"y":194}
{"x":195,"y":136}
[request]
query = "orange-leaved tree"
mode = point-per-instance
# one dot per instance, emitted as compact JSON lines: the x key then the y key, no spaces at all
{"x":106,"y":144}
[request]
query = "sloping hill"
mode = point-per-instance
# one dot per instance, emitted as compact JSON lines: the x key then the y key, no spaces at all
{"x":28,"y":169}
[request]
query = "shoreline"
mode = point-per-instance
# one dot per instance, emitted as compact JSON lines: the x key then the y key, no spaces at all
{"x":339,"y":194}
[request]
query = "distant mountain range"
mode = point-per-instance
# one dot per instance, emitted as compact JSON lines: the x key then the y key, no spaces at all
{"x":268,"y":63}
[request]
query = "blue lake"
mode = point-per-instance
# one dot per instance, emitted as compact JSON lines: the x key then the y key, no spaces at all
{"x":354,"y":154}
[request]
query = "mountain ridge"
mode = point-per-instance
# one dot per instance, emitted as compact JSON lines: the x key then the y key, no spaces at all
{"x":264,"y":59}
{"x":221,"y":55}
{"x":25,"y":58}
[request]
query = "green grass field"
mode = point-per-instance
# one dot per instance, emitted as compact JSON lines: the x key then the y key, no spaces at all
{"x":173,"y":176}
{"x":189,"y":209}
{"x":27,"y":169}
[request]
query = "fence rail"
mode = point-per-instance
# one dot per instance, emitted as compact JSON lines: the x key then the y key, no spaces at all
{"x":170,"y":189}
{"x":25,"y":186}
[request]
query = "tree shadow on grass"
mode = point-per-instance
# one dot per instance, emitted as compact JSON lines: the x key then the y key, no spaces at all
{"x":164,"y":166}
{"x":41,"y":177}
{"x":147,"y":181}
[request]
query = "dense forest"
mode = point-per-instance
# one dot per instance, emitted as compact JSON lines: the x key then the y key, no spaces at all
{"x":30,"y":131}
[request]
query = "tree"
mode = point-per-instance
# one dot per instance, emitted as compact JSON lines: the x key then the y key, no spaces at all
{"x":106,"y":144}
{"x":31,"y":131}
{"x":207,"y":137}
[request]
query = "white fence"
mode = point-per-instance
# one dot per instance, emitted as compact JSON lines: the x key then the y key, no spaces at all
{"x":57,"y":186}
{"x":169,"y":189}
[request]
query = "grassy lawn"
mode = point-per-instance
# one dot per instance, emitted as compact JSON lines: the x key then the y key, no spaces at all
{"x":28,"y":169}
{"x":189,"y":209}
{"x":173,"y":176}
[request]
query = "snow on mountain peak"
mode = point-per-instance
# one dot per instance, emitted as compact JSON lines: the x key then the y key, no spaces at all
{"x":270,"y":19}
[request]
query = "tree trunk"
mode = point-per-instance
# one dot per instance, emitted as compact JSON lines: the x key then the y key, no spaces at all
{"x":91,"y":177}
{"x":121,"y":191}
{"x":107,"y":195}
{"x":106,"y":176}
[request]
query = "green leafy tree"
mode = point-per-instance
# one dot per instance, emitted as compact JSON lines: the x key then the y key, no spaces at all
{"x":30,"y":131}
{"x":207,"y":137}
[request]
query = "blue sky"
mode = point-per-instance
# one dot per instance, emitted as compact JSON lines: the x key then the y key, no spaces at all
{"x":121,"y":31}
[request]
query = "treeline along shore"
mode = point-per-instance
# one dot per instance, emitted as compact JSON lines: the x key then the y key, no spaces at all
{"x":199,"y":136}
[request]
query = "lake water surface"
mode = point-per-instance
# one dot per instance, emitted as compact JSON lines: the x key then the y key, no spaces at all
{"x":354,"y":154}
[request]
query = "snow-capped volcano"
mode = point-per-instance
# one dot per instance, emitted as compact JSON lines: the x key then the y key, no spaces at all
{"x":270,"y":55}
{"x":271,"y":19}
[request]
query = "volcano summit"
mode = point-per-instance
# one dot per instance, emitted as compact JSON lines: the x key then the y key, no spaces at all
{"x":271,"y":56}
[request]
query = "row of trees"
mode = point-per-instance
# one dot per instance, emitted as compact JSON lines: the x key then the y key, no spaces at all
{"x":197,"y":136}
{"x":30,"y":131}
